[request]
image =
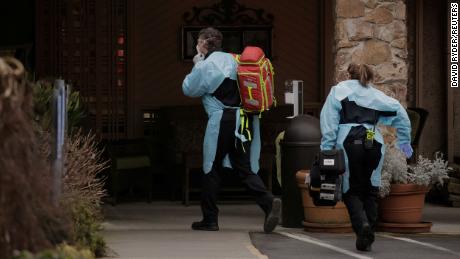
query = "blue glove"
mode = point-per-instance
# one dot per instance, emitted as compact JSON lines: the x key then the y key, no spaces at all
{"x":406,"y":149}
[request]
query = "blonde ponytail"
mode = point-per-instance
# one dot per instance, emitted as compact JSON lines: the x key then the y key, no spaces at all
{"x":361,"y":72}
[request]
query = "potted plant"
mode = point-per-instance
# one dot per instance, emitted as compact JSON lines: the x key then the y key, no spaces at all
{"x":403,"y":190}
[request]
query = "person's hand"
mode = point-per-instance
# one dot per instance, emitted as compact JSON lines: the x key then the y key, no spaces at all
{"x":199,"y":56}
{"x":406,"y":149}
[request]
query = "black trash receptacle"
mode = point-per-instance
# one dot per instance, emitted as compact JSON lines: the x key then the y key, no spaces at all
{"x":298,"y":150}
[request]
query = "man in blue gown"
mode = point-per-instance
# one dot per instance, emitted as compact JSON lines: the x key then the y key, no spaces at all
{"x":213,"y":78}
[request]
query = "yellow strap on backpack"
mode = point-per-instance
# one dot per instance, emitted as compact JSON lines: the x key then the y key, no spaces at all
{"x":244,"y":127}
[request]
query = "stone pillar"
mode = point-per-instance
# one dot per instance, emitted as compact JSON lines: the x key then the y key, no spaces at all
{"x":373,"y":32}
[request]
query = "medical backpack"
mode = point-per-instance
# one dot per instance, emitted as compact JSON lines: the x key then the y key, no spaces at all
{"x":326,"y":177}
{"x":255,"y":80}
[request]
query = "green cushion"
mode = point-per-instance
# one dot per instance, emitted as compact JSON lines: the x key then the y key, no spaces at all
{"x":133,"y":162}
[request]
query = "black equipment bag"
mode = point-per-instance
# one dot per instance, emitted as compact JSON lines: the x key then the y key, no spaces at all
{"x":332,"y":160}
{"x":326,"y":177}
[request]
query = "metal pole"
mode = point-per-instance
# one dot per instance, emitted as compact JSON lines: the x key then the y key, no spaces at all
{"x":59,"y":129}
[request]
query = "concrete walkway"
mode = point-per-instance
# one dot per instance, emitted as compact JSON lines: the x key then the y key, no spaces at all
{"x":162,"y":230}
{"x":446,"y":220}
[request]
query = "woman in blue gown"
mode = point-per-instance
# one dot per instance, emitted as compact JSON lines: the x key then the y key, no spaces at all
{"x":349,"y":120}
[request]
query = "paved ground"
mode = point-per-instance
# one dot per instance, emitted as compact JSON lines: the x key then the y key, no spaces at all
{"x":162,"y":230}
{"x":293,"y":245}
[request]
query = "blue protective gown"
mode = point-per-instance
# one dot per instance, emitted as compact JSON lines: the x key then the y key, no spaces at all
{"x":205,"y":78}
{"x":334,"y":133}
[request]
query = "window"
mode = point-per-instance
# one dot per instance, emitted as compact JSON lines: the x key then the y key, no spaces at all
{"x":235,"y":39}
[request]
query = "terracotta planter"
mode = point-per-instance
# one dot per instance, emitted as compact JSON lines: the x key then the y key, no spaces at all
{"x":324,"y":218}
{"x":407,"y":228}
{"x":404,"y":204}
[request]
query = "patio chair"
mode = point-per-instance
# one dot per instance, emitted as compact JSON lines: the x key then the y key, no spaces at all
{"x":131,"y":167}
{"x":418,"y":117}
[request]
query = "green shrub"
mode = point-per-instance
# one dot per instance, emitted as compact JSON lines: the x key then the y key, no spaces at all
{"x":83,"y":190}
{"x":28,"y":220}
{"x":60,"y":252}
{"x":87,"y":228}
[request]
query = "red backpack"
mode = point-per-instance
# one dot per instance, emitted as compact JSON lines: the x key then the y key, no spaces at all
{"x":255,"y":80}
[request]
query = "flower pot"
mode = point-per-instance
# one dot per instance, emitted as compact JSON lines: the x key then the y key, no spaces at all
{"x":406,"y":228}
{"x":322,"y":218}
{"x":404,"y":204}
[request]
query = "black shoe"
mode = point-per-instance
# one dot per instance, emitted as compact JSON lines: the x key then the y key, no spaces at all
{"x":273,"y":217}
{"x":365,"y":239}
{"x":206,"y":226}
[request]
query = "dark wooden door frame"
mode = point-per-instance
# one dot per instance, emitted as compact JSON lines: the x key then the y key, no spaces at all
{"x":450,"y":104}
{"x":327,"y":33}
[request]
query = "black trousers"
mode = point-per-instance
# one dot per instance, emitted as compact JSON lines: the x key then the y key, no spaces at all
{"x":362,"y":209}
{"x":362,"y":198}
{"x":240,"y":160}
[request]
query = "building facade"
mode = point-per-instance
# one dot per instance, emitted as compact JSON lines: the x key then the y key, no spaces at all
{"x":128,"y":58}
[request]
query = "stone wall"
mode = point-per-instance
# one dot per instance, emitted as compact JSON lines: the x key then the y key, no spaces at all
{"x":373,"y":32}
